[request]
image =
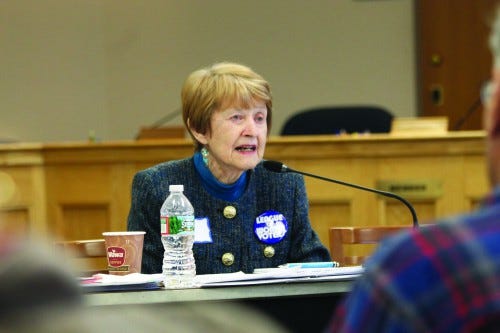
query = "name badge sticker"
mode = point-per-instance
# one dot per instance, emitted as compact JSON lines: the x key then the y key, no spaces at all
{"x":270,"y":227}
{"x":202,"y":232}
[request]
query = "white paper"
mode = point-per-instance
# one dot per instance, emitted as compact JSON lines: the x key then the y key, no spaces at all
{"x":280,"y":280}
{"x":276,"y":275}
{"x":202,"y":233}
{"x":261,"y":276}
{"x":118,"y":280}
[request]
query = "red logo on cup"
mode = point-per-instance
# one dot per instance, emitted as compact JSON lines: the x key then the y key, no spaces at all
{"x":116,"y":256}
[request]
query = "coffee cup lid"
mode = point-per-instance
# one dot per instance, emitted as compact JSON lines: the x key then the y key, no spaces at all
{"x":123,"y":233}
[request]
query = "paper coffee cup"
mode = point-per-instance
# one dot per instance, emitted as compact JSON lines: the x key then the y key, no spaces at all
{"x":124,"y":251}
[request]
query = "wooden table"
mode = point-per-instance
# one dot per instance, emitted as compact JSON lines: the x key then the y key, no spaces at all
{"x":301,"y":307}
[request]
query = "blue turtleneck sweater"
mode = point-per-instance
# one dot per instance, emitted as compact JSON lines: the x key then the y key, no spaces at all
{"x":227,"y":192}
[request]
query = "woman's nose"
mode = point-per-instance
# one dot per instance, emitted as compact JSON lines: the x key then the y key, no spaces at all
{"x":250,"y":128}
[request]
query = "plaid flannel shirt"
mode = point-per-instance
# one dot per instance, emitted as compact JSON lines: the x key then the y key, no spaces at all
{"x":439,"y":278}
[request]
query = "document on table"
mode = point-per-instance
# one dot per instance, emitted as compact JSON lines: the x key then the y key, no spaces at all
{"x":137,"y":281}
{"x":279,"y":275}
{"x":108,"y":282}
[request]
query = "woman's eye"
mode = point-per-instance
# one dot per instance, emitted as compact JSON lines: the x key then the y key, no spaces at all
{"x":237,"y":117}
{"x":260,"y":119}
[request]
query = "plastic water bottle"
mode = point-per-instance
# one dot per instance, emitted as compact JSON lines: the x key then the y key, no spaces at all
{"x":177,"y":235}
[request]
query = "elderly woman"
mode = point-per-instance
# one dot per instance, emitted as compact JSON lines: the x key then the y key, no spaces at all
{"x":251,"y":217}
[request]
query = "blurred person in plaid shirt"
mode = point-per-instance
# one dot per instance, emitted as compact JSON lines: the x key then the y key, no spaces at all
{"x":443,"y":277}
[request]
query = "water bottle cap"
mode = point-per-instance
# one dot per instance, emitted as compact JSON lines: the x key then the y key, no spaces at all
{"x":176,"y":188}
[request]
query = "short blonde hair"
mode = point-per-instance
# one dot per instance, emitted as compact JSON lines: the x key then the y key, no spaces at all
{"x":220,"y":86}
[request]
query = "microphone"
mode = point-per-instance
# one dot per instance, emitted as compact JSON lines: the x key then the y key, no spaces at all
{"x":279,"y":167}
{"x":166,"y":118}
{"x":150,"y":131}
{"x":476,"y":105}
{"x":473,"y":108}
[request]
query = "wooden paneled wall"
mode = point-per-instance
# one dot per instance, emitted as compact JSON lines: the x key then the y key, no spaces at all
{"x":78,"y":190}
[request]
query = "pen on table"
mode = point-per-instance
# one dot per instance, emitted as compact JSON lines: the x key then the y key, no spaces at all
{"x":322,"y":264}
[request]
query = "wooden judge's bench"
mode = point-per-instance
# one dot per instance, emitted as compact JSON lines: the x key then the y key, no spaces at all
{"x":77,"y":190}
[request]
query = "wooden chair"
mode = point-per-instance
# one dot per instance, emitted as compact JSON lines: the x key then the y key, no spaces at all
{"x":343,"y":237}
{"x":88,"y":257}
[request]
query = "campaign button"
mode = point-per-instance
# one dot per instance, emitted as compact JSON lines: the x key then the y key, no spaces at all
{"x":270,"y":227}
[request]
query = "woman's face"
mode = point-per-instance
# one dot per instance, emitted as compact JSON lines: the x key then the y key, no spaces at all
{"x":236,"y":141}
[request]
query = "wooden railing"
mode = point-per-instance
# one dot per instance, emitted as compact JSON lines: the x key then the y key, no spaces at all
{"x":77,"y":190}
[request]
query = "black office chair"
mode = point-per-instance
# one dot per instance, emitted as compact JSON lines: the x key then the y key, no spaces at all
{"x":339,"y":119}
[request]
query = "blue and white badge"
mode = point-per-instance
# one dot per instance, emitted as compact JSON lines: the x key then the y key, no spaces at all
{"x":270,"y":227}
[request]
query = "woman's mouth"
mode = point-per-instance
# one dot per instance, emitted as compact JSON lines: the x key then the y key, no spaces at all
{"x":246,"y":148}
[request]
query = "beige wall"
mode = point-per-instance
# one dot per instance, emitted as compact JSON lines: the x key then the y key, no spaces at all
{"x":70,"y":66}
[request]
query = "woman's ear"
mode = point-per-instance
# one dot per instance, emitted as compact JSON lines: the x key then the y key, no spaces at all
{"x":200,"y":137}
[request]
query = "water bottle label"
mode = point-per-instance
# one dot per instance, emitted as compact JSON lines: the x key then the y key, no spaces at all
{"x":177,"y":224}
{"x":164,"y":225}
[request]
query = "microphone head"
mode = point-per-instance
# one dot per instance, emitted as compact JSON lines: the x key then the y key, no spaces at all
{"x":274,"y":166}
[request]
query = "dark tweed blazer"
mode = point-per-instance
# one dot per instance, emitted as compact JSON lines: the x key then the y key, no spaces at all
{"x":266,"y":190}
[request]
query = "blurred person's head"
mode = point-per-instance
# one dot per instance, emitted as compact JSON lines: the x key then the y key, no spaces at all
{"x":187,"y":317}
{"x":32,"y":280}
{"x":39,"y":293}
